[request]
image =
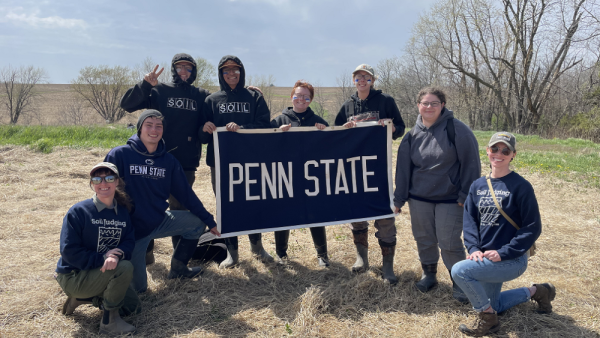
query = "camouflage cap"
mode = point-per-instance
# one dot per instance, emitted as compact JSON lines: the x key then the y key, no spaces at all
{"x":365,"y":68}
{"x":504,"y":137}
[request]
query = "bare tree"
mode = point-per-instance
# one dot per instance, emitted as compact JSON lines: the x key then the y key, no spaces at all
{"x":18,"y":85}
{"x":346,"y":88}
{"x":318,"y":103}
{"x":517,"y":50}
{"x":74,"y":111}
{"x":206,"y":76}
{"x":141,"y":69}
{"x":265,"y":83}
{"x":102,"y":87}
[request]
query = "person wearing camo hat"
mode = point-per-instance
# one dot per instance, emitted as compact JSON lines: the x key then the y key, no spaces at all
{"x":370,"y":104}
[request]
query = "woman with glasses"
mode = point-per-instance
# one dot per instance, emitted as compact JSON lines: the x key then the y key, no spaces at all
{"x":436,"y":164}
{"x":370,"y":104}
{"x":499,"y":250}
{"x":300,"y":115}
{"x":96,"y":242}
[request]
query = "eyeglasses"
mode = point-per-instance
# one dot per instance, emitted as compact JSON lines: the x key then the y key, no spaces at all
{"x":430,"y":104}
{"x":505,"y":151}
{"x":180,"y":69}
{"x":232,"y":70}
{"x":108,"y":179}
{"x":301,"y":97}
{"x":366,"y":77}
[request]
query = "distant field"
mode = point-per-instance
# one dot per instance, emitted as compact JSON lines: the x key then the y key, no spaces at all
{"x":49,"y":107}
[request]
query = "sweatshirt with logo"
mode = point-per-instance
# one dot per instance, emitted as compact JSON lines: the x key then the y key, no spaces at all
{"x":184,"y":110}
{"x":484,"y":228}
{"x":246,"y":107}
{"x":89,"y":231}
{"x":149,"y":179}
{"x":306,"y":119}
{"x":377,"y":103}
{"x":431,"y":168}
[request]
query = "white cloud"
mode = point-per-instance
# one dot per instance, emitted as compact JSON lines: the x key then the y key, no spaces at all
{"x":34,"y":20}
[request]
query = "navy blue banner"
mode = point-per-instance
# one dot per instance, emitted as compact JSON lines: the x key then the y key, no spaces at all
{"x":271,"y":180}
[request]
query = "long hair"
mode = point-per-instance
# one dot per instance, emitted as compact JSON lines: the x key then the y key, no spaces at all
{"x":121,"y":196}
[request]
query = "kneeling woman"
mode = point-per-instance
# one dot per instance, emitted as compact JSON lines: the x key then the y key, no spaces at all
{"x":96,"y":242}
{"x":300,"y":115}
{"x":500,"y":225}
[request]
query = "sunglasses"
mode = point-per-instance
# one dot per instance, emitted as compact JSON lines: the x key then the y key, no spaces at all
{"x":504,"y":151}
{"x":108,"y":179}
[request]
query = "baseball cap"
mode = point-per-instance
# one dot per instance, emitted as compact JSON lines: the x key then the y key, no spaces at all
{"x":504,"y":137}
{"x":229,"y":63}
{"x":106,"y":165}
{"x":365,"y":68}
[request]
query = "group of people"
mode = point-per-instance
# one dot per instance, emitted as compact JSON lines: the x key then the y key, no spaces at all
{"x":143,"y":191}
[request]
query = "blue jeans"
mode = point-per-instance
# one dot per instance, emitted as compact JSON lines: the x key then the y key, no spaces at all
{"x":175,"y":223}
{"x":482,"y":282}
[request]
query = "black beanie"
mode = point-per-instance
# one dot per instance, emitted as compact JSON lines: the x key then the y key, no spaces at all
{"x":146,"y":114}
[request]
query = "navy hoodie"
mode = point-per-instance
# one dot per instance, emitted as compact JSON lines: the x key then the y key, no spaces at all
{"x":306,"y":119}
{"x":376,"y":102}
{"x":149,"y":179}
{"x":247,"y":108}
{"x":87,"y":234}
{"x":183,"y":108}
{"x":484,"y":228}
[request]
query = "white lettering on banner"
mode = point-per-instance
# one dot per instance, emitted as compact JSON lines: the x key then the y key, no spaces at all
{"x":341,"y":176}
{"x":367,"y":173}
{"x":311,"y":178}
{"x":275,"y":181}
{"x":234,"y":107}
{"x":352,"y":161}
{"x":282,"y":180}
{"x":327,"y":176}
{"x":232,"y":181}
{"x":249,"y":181}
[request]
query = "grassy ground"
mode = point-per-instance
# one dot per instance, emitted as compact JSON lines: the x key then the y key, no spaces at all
{"x":301,"y":300}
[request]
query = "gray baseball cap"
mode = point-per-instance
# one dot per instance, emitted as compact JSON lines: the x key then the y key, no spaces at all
{"x":504,"y":137}
{"x":106,"y":165}
{"x":365,"y":68}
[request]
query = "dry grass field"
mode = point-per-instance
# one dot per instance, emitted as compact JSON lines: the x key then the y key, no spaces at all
{"x":54,"y":99}
{"x":300,"y":300}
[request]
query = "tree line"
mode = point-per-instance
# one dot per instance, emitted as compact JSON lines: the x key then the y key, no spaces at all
{"x":527,"y":66}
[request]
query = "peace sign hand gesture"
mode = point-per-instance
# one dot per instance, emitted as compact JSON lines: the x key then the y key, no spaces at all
{"x":152,"y":77}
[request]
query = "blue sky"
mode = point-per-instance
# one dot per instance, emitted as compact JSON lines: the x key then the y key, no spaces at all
{"x":312,"y":40}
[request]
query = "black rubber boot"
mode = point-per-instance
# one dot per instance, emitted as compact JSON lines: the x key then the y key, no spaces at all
{"x":257,"y":248}
{"x":175,"y":240}
{"x":457,"y":292}
{"x":388,"y":251}
{"x":232,"y":254}
{"x":319,"y":237}
{"x":428,"y":278}
{"x":150,"y":253}
{"x":361,"y":240}
{"x":182,"y":255}
{"x":281,"y":245}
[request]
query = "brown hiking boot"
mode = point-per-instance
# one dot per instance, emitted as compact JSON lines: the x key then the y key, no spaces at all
{"x":72,"y":303}
{"x":544,"y":295}
{"x":486,"y":323}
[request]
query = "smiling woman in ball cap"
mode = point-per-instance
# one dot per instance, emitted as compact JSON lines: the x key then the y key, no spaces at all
{"x":96,"y":243}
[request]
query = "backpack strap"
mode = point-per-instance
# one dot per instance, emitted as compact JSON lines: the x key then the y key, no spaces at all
{"x":451,"y":131}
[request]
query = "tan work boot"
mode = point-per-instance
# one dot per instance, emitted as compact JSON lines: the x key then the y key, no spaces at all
{"x":544,"y":295}
{"x":112,"y":324}
{"x":486,"y":323}
{"x":72,"y":303}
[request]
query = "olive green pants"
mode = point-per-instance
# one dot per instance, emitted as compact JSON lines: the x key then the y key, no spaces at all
{"x":109,"y":288}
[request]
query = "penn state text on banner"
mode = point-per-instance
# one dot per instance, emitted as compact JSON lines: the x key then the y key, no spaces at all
{"x":269,"y":180}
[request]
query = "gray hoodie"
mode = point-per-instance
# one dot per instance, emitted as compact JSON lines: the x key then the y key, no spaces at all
{"x":430,"y":168}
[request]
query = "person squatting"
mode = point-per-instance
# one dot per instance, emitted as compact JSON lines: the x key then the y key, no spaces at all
{"x":143,"y":191}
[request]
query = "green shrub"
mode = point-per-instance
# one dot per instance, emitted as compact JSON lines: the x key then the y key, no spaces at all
{"x":42,"y":145}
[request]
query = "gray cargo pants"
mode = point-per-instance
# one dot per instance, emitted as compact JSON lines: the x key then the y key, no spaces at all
{"x":437,"y":224}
